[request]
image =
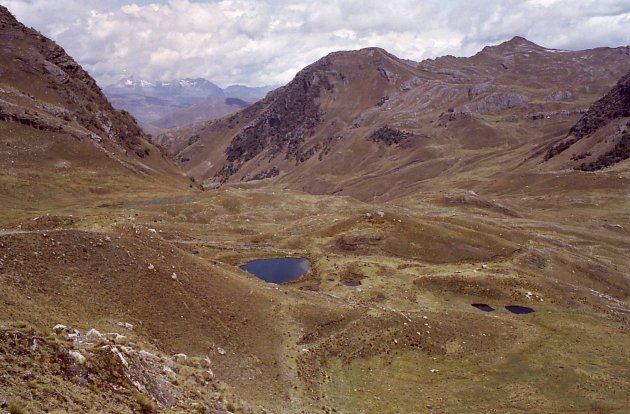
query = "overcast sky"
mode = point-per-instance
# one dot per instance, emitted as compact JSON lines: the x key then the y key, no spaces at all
{"x":267,"y":41}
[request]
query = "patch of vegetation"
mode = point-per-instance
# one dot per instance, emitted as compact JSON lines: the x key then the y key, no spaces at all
{"x":389,"y":136}
{"x":17,"y":407}
{"x":147,"y":405}
{"x":268,"y":173}
{"x":558,"y":148}
{"x":620,"y":152}
{"x":577,"y":157}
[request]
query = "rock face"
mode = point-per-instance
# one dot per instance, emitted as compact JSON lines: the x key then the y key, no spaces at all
{"x":369,"y":114}
{"x":284,"y":125}
{"x":610,"y":117}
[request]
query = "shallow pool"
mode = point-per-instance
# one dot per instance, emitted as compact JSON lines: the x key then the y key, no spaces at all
{"x":483,"y":307}
{"x":279,"y":270}
{"x":519,"y":309}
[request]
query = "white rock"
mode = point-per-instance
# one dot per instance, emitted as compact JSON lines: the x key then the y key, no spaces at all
{"x":120,"y":356}
{"x":174,"y":276}
{"x":221,"y":351}
{"x":59,"y":328}
{"x":151,"y":267}
{"x":168,"y":371}
{"x":125,"y":325}
{"x":380,"y":213}
{"x":78,"y":357}
{"x":207,"y":359}
{"x":179,"y":357}
{"x":434,"y":371}
{"x":127,"y":350}
{"x":93,"y":334}
{"x":147,"y":355}
{"x":120,"y":339}
{"x":116,"y":337}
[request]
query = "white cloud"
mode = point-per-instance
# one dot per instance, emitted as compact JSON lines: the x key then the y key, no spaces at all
{"x":267,"y":42}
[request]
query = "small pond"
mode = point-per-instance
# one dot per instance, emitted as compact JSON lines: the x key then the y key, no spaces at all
{"x":519,"y":309}
{"x":483,"y":307}
{"x":279,"y":270}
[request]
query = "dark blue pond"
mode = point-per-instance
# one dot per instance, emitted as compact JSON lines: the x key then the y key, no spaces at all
{"x":279,"y":270}
{"x":519,"y":309}
{"x":483,"y":307}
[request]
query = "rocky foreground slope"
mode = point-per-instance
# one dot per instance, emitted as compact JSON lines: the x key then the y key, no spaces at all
{"x":368,"y":124}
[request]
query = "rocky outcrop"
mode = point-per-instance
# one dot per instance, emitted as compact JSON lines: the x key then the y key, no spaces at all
{"x":494,"y":102}
{"x":285,"y":119}
{"x":291,"y":114}
{"x":119,"y":375}
{"x":389,"y":136}
{"x":614,"y":106}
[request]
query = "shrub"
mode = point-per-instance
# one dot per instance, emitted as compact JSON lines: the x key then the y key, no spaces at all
{"x":146,"y":404}
{"x":16,"y":407}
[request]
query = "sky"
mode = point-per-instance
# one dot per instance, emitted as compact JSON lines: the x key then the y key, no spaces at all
{"x":266,"y":42}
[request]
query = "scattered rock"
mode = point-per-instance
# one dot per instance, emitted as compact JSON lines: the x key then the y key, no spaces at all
{"x":78,"y":357}
{"x":560,"y":96}
{"x":179,"y":357}
{"x":147,"y":355}
{"x":116,"y":338}
{"x":93,"y":334}
{"x":59,"y":328}
{"x":125,"y":325}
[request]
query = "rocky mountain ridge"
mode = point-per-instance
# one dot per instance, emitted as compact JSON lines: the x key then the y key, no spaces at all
{"x":352,"y":119}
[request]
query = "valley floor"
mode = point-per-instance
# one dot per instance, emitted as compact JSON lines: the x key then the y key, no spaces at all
{"x":382,"y":323}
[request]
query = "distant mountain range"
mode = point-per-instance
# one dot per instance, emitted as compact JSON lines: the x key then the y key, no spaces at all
{"x":163,"y":104}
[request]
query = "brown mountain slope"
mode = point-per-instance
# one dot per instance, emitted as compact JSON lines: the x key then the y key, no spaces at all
{"x":370,"y":125}
{"x":60,"y":137}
